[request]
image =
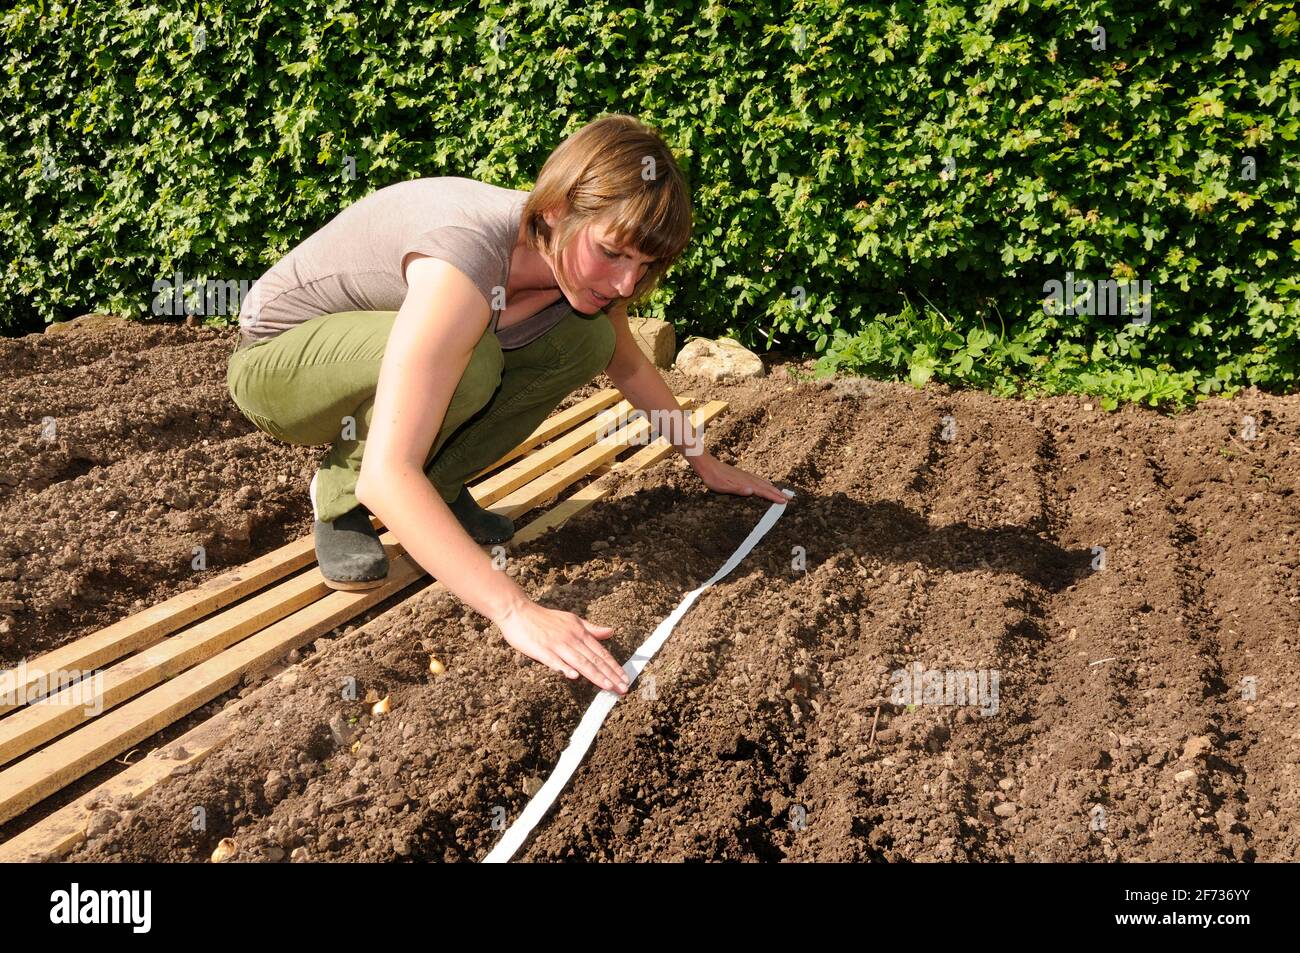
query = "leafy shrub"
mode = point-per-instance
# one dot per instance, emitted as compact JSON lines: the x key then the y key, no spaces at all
{"x":890,"y":186}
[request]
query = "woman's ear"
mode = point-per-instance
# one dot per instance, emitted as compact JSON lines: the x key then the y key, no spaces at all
{"x":554,"y":216}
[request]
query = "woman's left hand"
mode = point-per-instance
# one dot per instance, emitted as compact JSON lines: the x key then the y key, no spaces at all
{"x":724,"y":478}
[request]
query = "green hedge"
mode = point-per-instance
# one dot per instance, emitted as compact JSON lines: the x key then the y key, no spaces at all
{"x":890,"y":186}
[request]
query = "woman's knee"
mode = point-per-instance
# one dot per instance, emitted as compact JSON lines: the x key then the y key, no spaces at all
{"x":237,"y":385}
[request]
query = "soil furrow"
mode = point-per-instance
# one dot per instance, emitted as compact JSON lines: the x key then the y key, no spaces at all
{"x":1114,"y":736}
{"x":1237,"y":548}
{"x":980,"y":622}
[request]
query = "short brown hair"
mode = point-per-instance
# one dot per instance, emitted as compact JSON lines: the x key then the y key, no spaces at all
{"x":616,"y":172}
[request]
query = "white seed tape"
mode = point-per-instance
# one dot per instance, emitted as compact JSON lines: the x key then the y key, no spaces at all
{"x":585,"y":733}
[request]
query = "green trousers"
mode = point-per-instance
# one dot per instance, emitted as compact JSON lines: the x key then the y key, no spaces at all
{"x":315,"y":384}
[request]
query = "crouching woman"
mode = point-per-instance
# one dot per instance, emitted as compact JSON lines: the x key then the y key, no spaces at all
{"x":430,"y":327}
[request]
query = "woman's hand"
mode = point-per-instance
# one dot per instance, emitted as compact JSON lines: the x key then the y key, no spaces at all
{"x":724,"y":478}
{"x":565,"y":642}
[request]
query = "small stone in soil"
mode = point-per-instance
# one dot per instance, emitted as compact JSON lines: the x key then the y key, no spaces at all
{"x":101,"y":822}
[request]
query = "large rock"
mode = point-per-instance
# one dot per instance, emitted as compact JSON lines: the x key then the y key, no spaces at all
{"x":87,"y":322}
{"x":721,"y":360}
{"x":656,"y":340}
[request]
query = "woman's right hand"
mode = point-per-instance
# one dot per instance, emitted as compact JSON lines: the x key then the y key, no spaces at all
{"x":565,"y":642}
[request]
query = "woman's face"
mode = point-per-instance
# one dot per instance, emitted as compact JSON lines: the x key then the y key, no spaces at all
{"x":600,"y":267}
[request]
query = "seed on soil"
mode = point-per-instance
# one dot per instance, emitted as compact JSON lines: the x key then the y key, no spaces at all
{"x":436,"y":666}
{"x":382,"y":707}
{"x":227,"y":849}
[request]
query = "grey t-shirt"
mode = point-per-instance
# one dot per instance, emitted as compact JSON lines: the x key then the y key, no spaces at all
{"x":354,"y":262}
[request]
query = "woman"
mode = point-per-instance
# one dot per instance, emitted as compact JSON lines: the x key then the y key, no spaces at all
{"x":506,"y":301}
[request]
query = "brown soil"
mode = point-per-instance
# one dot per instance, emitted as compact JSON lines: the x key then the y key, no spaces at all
{"x":1123,"y":729}
{"x":147,"y":459}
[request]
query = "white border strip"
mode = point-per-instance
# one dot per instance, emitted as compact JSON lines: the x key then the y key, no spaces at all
{"x":604,"y":702}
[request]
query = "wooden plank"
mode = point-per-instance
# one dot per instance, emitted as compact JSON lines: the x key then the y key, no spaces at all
{"x":564,"y":510}
{"x":42,"y":773}
{"x":64,"y":710}
{"x":550,"y":484}
{"x":492,"y":488}
{"x":58,"y":833}
{"x":150,"y":625}
{"x":63,"y":665}
{"x":63,"y":830}
{"x":537,"y":464}
{"x":67,"y":708}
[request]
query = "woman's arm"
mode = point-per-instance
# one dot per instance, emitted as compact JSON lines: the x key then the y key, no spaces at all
{"x":644,"y":387}
{"x":430,"y":345}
